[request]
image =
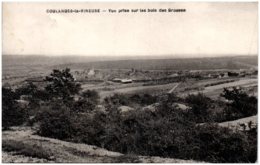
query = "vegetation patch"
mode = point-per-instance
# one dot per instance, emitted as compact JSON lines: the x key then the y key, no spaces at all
{"x":21,"y":148}
{"x":218,"y":83}
{"x":127,"y":159}
{"x":76,"y":152}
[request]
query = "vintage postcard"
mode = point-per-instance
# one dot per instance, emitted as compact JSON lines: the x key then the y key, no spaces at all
{"x":129,"y":82}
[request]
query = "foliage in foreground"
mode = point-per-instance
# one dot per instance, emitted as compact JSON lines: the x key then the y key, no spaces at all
{"x":240,"y":104}
{"x":12,"y":114}
{"x":167,"y":132}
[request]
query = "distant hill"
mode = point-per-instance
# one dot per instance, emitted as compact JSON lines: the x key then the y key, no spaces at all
{"x":171,"y":64}
{"x":166,"y":63}
{"x":55,"y":60}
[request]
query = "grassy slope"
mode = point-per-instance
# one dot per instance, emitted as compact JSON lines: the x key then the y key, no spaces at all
{"x":21,"y":146}
{"x":235,"y":123}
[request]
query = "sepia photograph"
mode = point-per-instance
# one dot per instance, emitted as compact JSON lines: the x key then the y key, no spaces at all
{"x":129,"y":82}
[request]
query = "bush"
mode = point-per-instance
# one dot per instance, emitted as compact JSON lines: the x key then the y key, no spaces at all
{"x":34,"y":97}
{"x":143,"y":99}
{"x":200,"y":105}
{"x":55,"y":121}
{"x":84,"y":106}
{"x":12,"y":113}
{"x":87,"y":102}
{"x":116,"y":99}
{"x":91,"y":94}
{"x":157,"y":134}
{"x":167,"y":132}
{"x":221,"y":145}
{"x":131,"y":99}
{"x":25,"y":149}
{"x":240,"y":104}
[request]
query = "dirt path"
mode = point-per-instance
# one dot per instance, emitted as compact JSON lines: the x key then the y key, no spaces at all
{"x":175,"y":86}
{"x":21,"y":146}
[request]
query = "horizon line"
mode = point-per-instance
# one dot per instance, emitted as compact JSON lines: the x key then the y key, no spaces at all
{"x":132,"y":56}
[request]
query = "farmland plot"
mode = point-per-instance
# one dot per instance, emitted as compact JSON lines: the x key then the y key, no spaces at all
{"x":214,"y":91}
{"x":139,"y":89}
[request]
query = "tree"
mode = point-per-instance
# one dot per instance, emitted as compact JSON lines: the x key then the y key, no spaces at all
{"x":62,"y":85}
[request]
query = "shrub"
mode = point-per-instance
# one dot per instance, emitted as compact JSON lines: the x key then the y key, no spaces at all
{"x":55,"y":121}
{"x":87,"y":102}
{"x":240,"y":103}
{"x":91,"y":94}
{"x":12,"y":114}
{"x":116,"y":99}
{"x":34,"y":96}
{"x":200,"y":105}
{"x":221,"y":145}
{"x":127,"y":159}
{"x":143,"y":99}
{"x":167,"y":131}
{"x":25,"y":149}
{"x":131,"y":99}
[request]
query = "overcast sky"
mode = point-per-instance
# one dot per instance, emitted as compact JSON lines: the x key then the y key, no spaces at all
{"x":205,"y":29}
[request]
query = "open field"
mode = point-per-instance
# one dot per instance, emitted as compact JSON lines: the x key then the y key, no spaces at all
{"x":216,"y":90}
{"x":139,"y":89}
{"x":232,"y":84}
{"x":183,"y":88}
